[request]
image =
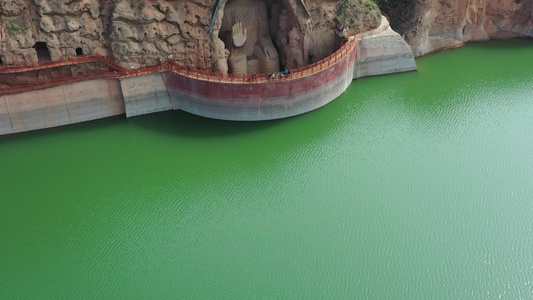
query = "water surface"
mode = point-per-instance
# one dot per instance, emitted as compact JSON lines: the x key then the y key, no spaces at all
{"x":408,"y":186}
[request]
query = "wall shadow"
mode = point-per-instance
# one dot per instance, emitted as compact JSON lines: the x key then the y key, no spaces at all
{"x":181,"y":123}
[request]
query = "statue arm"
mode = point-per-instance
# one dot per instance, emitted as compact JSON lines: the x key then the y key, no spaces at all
{"x":268,"y":47}
{"x":264,"y":36}
{"x":265,"y":41}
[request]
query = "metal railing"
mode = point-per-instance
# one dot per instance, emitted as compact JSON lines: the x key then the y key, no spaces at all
{"x":347,"y":47}
{"x":62,"y":63}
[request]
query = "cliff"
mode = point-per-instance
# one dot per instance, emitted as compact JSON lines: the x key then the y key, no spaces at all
{"x":432,"y":25}
{"x":378,"y":51}
{"x":144,"y":33}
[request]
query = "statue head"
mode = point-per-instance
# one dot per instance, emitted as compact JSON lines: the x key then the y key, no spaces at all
{"x":284,"y":20}
{"x":294,"y":38}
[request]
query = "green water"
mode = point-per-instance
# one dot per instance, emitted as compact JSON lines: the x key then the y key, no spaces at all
{"x":409,"y":186}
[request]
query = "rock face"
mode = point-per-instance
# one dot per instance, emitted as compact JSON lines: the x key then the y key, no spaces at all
{"x":144,"y":33}
{"x":432,"y":25}
{"x":52,"y":29}
{"x":140,"y":33}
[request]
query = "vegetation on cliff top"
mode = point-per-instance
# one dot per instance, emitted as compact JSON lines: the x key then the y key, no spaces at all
{"x":358,"y":15}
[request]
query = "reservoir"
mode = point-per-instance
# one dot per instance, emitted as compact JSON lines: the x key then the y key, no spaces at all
{"x":408,"y":186}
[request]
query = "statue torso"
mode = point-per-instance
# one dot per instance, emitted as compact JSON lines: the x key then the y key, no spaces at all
{"x":252,"y":16}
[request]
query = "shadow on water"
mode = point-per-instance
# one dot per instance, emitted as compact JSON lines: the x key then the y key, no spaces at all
{"x":511,"y":44}
{"x":88,"y":126}
{"x":175,"y":123}
{"x":180,"y":123}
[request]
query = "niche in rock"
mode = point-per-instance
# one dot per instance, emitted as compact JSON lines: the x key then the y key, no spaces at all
{"x":1,"y":63}
{"x":43,"y":54}
{"x":273,"y":10}
{"x":79,"y":52}
{"x":267,"y":21}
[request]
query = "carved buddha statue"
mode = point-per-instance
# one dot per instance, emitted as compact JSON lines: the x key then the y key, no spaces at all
{"x":244,"y":29}
{"x":283,"y":33}
{"x":293,"y":49}
{"x":273,"y":21}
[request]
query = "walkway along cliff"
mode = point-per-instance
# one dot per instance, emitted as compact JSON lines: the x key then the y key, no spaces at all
{"x":171,"y":86}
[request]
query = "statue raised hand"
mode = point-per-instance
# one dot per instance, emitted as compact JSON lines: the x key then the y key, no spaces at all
{"x":244,"y":30}
{"x":238,"y":35}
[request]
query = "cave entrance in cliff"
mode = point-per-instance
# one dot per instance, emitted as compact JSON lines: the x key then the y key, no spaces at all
{"x":43,"y":53}
{"x":79,"y":52}
{"x":1,"y":62}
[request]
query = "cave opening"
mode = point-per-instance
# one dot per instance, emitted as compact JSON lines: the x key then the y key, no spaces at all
{"x":43,"y":53}
{"x":1,"y":62}
{"x":79,"y":52}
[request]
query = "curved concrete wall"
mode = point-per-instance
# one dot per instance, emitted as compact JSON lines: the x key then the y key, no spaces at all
{"x":261,"y":101}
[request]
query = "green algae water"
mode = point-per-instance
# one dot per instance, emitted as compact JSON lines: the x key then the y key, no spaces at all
{"x":408,"y":186}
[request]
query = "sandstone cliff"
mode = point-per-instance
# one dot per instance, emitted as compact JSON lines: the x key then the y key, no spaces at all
{"x":432,"y":25}
{"x":139,"y":33}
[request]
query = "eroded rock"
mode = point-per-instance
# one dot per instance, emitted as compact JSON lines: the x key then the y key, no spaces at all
{"x":433,"y":25}
{"x":146,"y":32}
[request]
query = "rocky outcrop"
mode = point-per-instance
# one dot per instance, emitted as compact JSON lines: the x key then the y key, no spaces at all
{"x":67,"y":28}
{"x":144,"y":33}
{"x":140,"y":33}
{"x":433,"y":25}
{"x":328,"y":19}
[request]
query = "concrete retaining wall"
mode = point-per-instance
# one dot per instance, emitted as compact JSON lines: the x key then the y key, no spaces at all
{"x":62,"y":105}
{"x":261,"y":101}
{"x":5,"y":118}
{"x":383,"y":52}
{"x":380,"y":51}
{"x":145,"y":94}
{"x":38,"y":109}
{"x":94,"y":99}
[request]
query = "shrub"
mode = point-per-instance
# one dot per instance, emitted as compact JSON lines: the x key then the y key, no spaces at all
{"x":15,"y":26}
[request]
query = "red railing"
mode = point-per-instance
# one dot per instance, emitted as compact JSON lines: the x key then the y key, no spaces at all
{"x":346,"y":48}
{"x":56,"y":82}
{"x":62,"y":63}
